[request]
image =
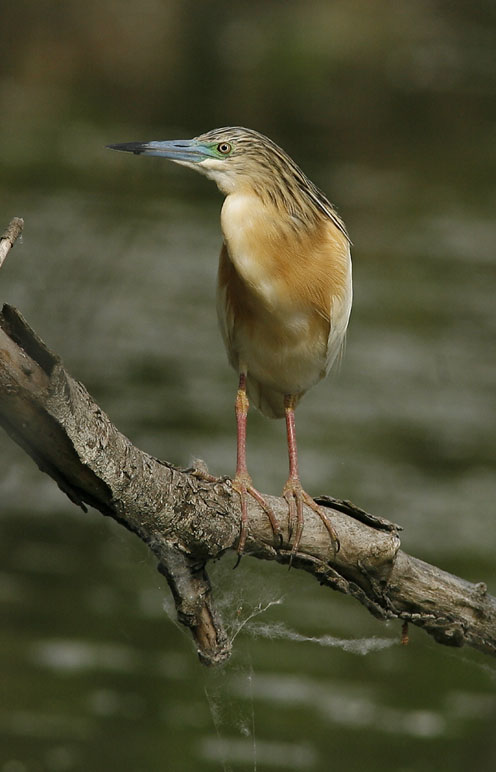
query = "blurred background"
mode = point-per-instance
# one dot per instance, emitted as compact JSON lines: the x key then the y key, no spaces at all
{"x":390,"y":108}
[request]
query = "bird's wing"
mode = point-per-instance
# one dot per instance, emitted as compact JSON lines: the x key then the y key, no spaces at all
{"x":340,"y":309}
{"x":229,"y":292}
{"x":225,"y":310}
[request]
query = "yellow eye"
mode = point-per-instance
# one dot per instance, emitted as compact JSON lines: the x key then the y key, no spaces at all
{"x":224,"y":148}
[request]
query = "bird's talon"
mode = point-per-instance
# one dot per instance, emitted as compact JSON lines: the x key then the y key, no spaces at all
{"x":244,"y":487}
{"x":293,"y":554}
{"x":199,"y":470}
{"x":296,"y":497}
{"x":292,"y":512}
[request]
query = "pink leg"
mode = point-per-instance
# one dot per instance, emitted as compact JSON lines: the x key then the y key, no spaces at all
{"x":242,"y":482}
{"x":293,"y":491}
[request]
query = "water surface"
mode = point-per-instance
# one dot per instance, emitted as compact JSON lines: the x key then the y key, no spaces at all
{"x":96,"y":674}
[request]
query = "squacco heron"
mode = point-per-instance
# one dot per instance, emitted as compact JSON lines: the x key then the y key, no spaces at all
{"x":284,"y":289}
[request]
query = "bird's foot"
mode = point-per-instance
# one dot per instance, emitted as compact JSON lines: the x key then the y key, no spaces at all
{"x":296,"y":497}
{"x":199,"y":470}
{"x":244,"y":486}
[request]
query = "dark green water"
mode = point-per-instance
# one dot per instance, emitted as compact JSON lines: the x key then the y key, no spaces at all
{"x":392,"y":113}
{"x":95,"y":674}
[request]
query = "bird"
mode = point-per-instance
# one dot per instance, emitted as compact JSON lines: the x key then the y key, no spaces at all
{"x":284,"y":291}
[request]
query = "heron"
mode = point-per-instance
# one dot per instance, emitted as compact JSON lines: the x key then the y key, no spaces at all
{"x":284,"y":291}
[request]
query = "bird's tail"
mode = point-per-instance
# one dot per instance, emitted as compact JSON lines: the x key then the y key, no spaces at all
{"x":268,"y":401}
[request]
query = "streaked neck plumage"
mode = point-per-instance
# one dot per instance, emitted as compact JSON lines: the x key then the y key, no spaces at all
{"x":260,"y":167}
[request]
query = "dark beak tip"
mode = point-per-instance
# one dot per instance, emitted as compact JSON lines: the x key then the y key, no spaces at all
{"x":128,"y":147}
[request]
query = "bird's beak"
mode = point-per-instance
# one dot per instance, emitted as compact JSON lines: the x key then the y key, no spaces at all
{"x":181,"y":150}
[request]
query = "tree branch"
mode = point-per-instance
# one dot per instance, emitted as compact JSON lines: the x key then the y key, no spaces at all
{"x":187,"y":518}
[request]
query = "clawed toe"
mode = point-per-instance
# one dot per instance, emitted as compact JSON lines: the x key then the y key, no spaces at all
{"x":243,"y":485}
{"x":296,"y":497}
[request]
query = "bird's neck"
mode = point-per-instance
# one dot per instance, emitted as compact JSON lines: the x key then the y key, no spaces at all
{"x":252,"y":216}
{"x":252,"y":232}
{"x":262,"y":243}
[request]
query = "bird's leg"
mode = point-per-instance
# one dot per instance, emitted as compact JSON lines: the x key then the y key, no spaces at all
{"x":242,"y":482}
{"x":293,"y":491}
{"x":295,"y":507}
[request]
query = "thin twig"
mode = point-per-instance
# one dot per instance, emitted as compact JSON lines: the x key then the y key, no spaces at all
{"x":9,"y":236}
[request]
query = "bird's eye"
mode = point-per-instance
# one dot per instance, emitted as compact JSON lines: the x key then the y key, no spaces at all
{"x":224,"y":148}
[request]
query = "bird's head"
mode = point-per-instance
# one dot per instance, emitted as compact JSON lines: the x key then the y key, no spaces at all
{"x":233,"y":157}
{"x":239,"y":159}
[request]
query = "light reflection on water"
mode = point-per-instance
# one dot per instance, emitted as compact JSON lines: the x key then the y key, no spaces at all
{"x":406,"y":429}
{"x":352,"y":707}
{"x":269,"y":754}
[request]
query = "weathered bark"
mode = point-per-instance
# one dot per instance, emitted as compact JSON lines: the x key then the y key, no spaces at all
{"x":188,"y":518}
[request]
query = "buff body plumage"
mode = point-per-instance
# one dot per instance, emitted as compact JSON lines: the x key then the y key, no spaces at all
{"x":283,"y":301}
